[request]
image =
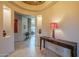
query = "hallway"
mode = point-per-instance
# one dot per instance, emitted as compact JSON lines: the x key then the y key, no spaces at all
{"x":27,"y":49}
{"x":57,"y":20}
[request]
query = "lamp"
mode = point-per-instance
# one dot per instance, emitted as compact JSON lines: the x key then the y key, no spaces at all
{"x":54,"y":26}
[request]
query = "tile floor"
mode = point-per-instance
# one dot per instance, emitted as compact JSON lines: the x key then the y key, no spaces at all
{"x":28,"y":49}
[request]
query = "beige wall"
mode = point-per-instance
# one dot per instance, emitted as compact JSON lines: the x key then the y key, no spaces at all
{"x":67,"y":15}
{"x":6,"y":22}
{"x":1,"y":21}
{"x":1,"y":28}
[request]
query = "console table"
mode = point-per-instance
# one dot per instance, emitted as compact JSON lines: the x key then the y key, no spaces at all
{"x":66,"y":44}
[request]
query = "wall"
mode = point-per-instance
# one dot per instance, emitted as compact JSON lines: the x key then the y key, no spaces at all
{"x":24,"y":26}
{"x":66,"y":14}
{"x":7,"y":42}
{"x":1,"y":21}
{"x":38,"y":26}
{"x":1,"y":28}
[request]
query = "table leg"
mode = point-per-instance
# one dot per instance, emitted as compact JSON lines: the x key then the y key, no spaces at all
{"x":40,"y":43}
{"x":74,"y":52}
{"x":43,"y":43}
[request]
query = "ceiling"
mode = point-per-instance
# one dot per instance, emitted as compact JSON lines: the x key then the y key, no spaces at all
{"x":34,"y":2}
{"x":34,"y":6}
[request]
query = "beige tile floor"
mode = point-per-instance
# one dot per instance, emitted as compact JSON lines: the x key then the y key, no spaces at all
{"x":28,"y":49}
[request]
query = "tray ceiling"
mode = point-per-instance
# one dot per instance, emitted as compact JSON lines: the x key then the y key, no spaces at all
{"x":34,"y":6}
{"x":34,"y":2}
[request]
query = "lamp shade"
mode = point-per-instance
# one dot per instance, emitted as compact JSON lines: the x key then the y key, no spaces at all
{"x":54,"y":25}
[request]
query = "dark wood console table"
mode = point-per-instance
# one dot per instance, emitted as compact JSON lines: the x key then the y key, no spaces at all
{"x":66,"y":44}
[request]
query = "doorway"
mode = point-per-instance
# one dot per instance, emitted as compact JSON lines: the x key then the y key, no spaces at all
{"x":32,"y":31}
{"x":26,"y":29}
